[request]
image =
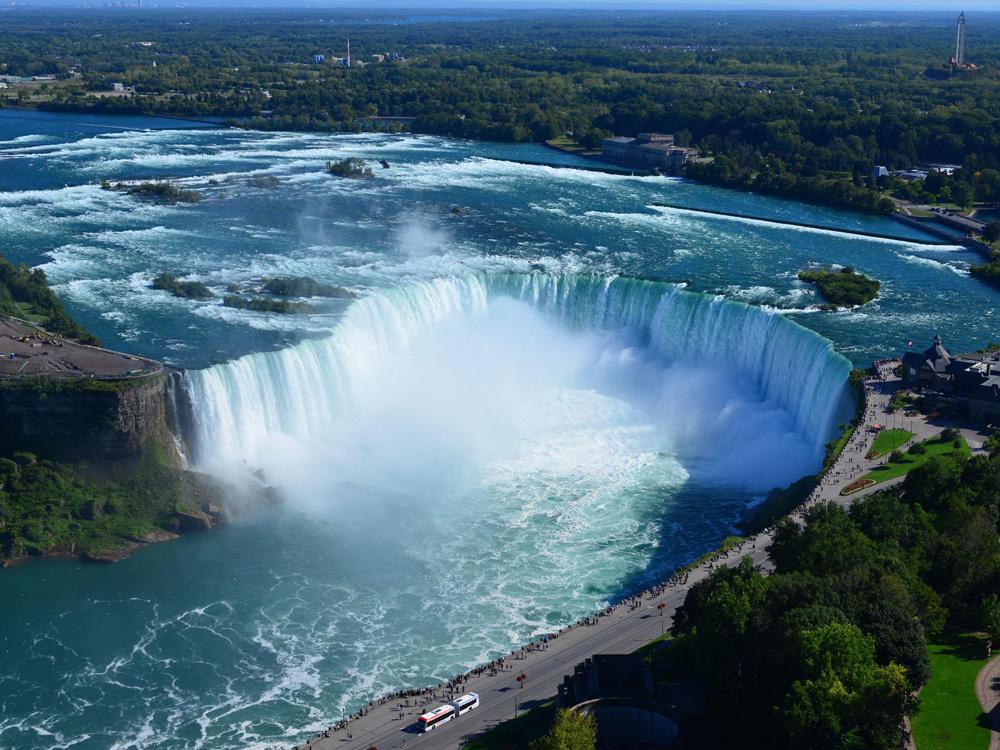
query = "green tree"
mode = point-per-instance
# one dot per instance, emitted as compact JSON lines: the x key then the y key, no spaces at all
{"x":845,"y":700}
{"x":570,"y":731}
{"x":963,"y":195}
{"x":992,"y":231}
{"x":991,"y":617}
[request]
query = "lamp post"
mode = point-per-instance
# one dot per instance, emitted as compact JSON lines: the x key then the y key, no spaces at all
{"x":661,"y":606}
{"x":521,"y":678}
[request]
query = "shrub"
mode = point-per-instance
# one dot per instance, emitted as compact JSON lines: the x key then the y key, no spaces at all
{"x":164,"y":191}
{"x":919,"y":449}
{"x":352,"y":167}
{"x":8,"y":470}
{"x":25,"y":459}
{"x":184,"y":289}
{"x":950,"y":433}
{"x":896,"y":457}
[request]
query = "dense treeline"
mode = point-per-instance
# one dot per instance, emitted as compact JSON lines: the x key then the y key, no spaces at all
{"x":25,"y":293}
{"x":827,"y":651}
{"x":801,"y":104}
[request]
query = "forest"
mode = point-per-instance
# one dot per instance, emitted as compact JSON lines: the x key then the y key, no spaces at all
{"x":828,"y":651}
{"x":25,"y":293}
{"x":803,"y":104}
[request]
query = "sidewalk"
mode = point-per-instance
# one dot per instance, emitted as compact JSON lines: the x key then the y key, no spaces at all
{"x":988,"y":693}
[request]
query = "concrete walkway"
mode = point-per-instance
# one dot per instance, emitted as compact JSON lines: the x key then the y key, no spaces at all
{"x":988,"y":693}
{"x":389,"y":724}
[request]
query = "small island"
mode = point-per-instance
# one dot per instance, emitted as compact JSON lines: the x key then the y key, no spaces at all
{"x":352,"y":167}
{"x":161,"y":190}
{"x":183,"y":289}
{"x":263,"y":304}
{"x":304,"y":286}
{"x":843,"y":288}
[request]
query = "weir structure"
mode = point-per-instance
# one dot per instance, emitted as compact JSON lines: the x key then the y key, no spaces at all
{"x":785,"y":222}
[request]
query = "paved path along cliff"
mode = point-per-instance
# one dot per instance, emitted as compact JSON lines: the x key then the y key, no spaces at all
{"x":390,"y":723}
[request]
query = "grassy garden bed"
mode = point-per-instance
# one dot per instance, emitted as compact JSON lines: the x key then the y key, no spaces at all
{"x":856,"y":486}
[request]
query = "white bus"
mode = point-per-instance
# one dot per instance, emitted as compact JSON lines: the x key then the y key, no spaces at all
{"x":466,"y":703}
{"x":431,"y":719}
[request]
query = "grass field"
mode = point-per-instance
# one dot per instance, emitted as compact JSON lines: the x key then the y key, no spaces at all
{"x":887,"y":441}
{"x":950,"y":716}
{"x":935,"y":447}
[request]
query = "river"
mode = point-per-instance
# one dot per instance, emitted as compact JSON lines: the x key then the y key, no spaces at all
{"x":501,"y":434}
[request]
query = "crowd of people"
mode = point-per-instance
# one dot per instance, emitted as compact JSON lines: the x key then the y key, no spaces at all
{"x":849,"y":465}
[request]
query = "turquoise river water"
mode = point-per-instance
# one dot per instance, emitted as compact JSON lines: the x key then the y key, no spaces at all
{"x":548,"y":394}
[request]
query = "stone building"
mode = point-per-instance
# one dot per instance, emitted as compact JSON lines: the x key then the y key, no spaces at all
{"x":653,"y":151}
{"x":972,"y":378}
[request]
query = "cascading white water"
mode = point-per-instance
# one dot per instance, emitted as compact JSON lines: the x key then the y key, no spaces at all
{"x":242,"y":407}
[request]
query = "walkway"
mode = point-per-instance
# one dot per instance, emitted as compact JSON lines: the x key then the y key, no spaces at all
{"x":389,"y":724}
{"x":988,"y":693}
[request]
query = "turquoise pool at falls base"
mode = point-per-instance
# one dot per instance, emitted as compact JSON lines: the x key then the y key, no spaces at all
{"x":503,"y":433}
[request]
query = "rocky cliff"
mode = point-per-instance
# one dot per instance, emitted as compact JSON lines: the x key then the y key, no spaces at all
{"x":83,"y":418}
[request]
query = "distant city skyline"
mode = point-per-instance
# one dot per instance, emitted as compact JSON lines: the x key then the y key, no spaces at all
{"x":882,"y":6}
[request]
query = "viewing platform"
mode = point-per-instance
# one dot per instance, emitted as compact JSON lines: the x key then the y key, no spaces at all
{"x":27,"y":352}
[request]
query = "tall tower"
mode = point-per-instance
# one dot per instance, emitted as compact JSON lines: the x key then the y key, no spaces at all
{"x":349,"y":43}
{"x":960,"y":41}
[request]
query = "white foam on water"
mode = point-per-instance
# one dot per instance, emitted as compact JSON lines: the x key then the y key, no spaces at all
{"x":931,"y":263}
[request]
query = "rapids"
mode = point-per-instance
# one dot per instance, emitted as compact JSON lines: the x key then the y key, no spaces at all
{"x":547,"y":395}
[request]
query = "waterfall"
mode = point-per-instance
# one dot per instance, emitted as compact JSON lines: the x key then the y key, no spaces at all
{"x":238,"y":406}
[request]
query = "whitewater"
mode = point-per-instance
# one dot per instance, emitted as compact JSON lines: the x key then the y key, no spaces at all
{"x":546,"y":395}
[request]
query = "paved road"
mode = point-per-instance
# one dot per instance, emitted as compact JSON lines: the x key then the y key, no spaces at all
{"x":988,"y":693}
{"x":622,"y":630}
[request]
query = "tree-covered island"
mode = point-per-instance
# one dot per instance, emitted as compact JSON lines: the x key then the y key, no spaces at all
{"x":842,"y":288}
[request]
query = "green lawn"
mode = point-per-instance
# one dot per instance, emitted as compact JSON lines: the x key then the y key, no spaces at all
{"x":517,"y":734}
{"x":566,"y":144}
{"x":935,"y":447}
{"x":888,"y":440}
{"x":949,"y":717}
